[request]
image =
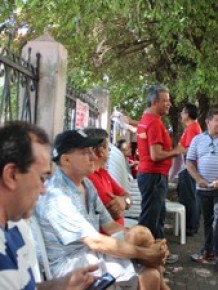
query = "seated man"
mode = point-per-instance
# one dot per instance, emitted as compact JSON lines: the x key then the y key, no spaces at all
{"x":24,"y":165}
{"x":126,"y":149}
{"x":113,"y":196}
{"x":71,"y":213}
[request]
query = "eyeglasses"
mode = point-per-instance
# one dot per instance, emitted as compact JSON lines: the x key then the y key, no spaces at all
{"x":212,"y":147}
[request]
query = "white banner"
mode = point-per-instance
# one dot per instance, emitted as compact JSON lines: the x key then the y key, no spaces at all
{"x":82,"y":114}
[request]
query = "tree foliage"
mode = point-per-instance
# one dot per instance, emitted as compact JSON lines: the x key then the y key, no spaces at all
{"x":133,"y":43}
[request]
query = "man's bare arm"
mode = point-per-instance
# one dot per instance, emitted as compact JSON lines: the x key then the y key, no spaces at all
{"x":191,"y":167}
{"x":152,"y":256}
{"x":158,"y":154}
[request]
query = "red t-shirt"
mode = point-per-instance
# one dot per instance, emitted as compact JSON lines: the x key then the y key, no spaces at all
{"x":190,"y":132}
{"x":133,"y":168}
{"x":150,"y":131}
{"x":104,"y":183}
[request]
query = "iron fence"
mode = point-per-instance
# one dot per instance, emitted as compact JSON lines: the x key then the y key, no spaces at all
{"x":18,"y":86}
{"x":70,"y":108}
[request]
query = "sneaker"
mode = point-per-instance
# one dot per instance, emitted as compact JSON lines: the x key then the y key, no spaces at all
{"x":203,"y":257}
{"x":172,"y":258}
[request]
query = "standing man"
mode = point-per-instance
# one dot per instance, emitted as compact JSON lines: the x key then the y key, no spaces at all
{"x":71,"y":213}
{"x":202,"y":164}
{"x":155,"y":154}
{"x":24,"y":166}
{"x":186,"y":184}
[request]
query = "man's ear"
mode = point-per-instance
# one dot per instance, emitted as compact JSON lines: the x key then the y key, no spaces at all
{"x":65,"y":160}
{"x":9,"y":175}
{"x":206,"y":122}
{"x":98,"y":152}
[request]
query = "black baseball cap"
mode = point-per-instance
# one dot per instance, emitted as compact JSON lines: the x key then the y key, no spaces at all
{"x":70,"y":139}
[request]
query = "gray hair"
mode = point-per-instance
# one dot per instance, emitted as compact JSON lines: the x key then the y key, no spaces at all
{"x":153,"y":93}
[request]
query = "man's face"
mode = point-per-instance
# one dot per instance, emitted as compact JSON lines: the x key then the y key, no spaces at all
{"x":30,"y":185}
{"x":102,"y":152}
{"x":184,"y":116}
{"x":163,"y":104}
{"x":212,"y":125}
{"x":79,"y":162}
{"x":126,"y":149}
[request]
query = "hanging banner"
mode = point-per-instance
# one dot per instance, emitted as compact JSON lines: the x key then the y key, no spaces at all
{"x":82,"y":114}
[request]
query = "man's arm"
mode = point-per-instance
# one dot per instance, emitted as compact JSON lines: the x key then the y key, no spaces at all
{"x":158,"y":154}
{"x":194,"y":173}
{"x":118,"y":204}
{"x":112,"y":228}
{"x":77,"y":280}
{"x":152,"y":256}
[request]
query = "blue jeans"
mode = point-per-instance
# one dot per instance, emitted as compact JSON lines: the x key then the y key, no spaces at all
{"x":153,"y":188}
{"x":188,"y":197}
{"x":209,"y":206}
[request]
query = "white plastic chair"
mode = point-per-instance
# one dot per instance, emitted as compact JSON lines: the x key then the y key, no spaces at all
{"x":180,"y":219}
{"x":117,"y":168}
{"x":41,"y":249}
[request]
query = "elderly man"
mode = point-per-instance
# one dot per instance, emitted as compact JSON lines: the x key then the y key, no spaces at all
{"x":24,"y":166}
{"x":155,"y":154}
{"x":202,"y":164}
{"x":71,"y":213}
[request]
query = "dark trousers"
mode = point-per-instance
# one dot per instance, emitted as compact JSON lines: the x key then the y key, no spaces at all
{"x":188,"y":197}
{"x":209,"y":205}
{"x":153,"y":188}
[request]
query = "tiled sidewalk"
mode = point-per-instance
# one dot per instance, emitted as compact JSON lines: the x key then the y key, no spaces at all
{"x":185,"y":274}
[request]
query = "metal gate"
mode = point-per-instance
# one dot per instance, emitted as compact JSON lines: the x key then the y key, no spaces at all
{"x":18,"y":86}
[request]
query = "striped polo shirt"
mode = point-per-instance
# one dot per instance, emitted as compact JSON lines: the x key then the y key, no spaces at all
{"x":204,"y":150}
{"x":15,"y":268}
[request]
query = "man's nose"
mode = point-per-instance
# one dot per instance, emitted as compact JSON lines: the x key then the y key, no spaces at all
{"x":93,"y":156}
{"x":42,"y":189}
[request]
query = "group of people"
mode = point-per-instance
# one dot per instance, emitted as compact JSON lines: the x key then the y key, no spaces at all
{"x":200,"y":170}
{"x":81,"y":207}
{"x":70,"y":214}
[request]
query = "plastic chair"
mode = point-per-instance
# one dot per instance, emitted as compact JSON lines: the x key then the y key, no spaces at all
{"x":180,"y":219}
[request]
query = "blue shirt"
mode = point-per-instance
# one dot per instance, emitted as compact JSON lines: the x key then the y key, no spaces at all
{"x":65,"y":220}
{"x":204,"y":150}
{"x":15,"y":270}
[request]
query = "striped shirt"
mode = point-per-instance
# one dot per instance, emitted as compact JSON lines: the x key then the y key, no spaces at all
{"x":15,"y":268}
{"x":204,"y":150}
{"x":65,"y":220}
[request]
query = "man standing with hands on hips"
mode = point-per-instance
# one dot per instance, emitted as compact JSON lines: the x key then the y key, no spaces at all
{"x":155,"y":154}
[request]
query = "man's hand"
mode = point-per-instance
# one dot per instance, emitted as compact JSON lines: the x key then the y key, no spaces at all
{"x":81,"y":279}
{"x":179,"y":149}
{"x":202,"y":183}
{"x":116,"y":206}
{"x":215,"y":183}
{"x":155,"y":255}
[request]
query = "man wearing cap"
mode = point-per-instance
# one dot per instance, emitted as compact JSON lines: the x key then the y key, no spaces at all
{"x":24,"y":166}
{"x":71,"y":213}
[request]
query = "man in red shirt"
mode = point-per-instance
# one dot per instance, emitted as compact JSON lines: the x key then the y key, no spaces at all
{"x":186,"y":184}
{"x":113,"y":196}
{"x":155,"y":154}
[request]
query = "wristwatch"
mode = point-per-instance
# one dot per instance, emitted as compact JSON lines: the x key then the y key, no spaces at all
{"x":128,"y":202}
